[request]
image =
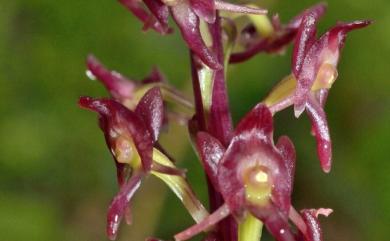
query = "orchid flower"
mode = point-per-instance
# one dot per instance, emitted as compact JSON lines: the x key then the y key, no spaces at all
{"x":255,"y":178}
{"x":314,"y":70}
{"x":131,"y":137}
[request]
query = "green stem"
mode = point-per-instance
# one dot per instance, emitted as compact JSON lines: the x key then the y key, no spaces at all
{"x":250,"y":229}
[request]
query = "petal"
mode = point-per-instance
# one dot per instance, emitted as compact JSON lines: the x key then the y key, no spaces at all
{"x":151,"y":109}
{"x":159,"y":10}
{"x":120,"y":118}
{"x":305,"y":38}
{"x":275,"y":222}
{"x":219,"y":214}
{"x":313,"y":228}
{"x":119,"y":86}
{"x":321,"y":132}
{"x":336,"y":35}
{"x":210,"y":151}
{"x":258,"y":120}
{"x":287,"y":150}
{"x":117,"y":208}
{"x":188,"y":23}
{"x":148,"y":19}
{"x":205,"y":9}
{"x":318,"y":9}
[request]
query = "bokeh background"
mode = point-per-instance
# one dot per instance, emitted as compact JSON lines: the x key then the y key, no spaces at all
{"x":57,"y":178}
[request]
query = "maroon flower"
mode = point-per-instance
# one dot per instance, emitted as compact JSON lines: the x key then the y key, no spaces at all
{"x":130,"y":137}
{"x":253,"y":175}
{"x":314,"y":66}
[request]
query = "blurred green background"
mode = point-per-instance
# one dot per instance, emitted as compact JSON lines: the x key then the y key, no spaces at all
{"x":57,"y":178}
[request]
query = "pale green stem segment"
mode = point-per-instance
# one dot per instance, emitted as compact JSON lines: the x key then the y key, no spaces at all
{"x":250,"y":229}
{"x":206,"y":86}
{"x":282,"y":91}
{"x":180,"y":187}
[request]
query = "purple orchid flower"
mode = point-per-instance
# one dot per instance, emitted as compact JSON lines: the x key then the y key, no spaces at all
{"x":130,"y":136}
{"x":314,"y":67}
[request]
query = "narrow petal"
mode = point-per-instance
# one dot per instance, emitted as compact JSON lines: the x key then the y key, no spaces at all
{"x":313,"y":228}
{"x":304,"y":40}
{"x":210,"y":151}
{"x":151,"y":109}
{"x":121,"y":119}
{"x":134,"y":6}
{"x":118,"y":85}
{"x":318,"y":9}
{"x":334,"y":39}
{"x":117,"y":208}
{"x":219,"y":214}
{"x":286,"y":148}
{"x":321,"y":131}
{"x":205,"y":9}
{"x":259,"y":120}
{"x":188,"y":23}
{"x":159,"y":10}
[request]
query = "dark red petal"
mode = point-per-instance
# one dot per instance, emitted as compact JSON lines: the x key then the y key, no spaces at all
{"x":287,"y":150}
{"x":313,"y":228}
{"x":118,"y":85}
{"x":205,"y":9}
{"x":210,"y":151}
{"x":336,"y":35}
{"x":258,"y":120}
{"x":151,"y":109}
{"x":159,"y":10}
{"x":305,"y":38}
{"x":117,"y":208}
{"x":321,"y":132}
{"x":148,"y":19}
{"x":188,"y":23}
{"x":212,"y":219}
{"x":275,"y":222}
{"x":318,"y":9}
{"x":119,"y":117}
